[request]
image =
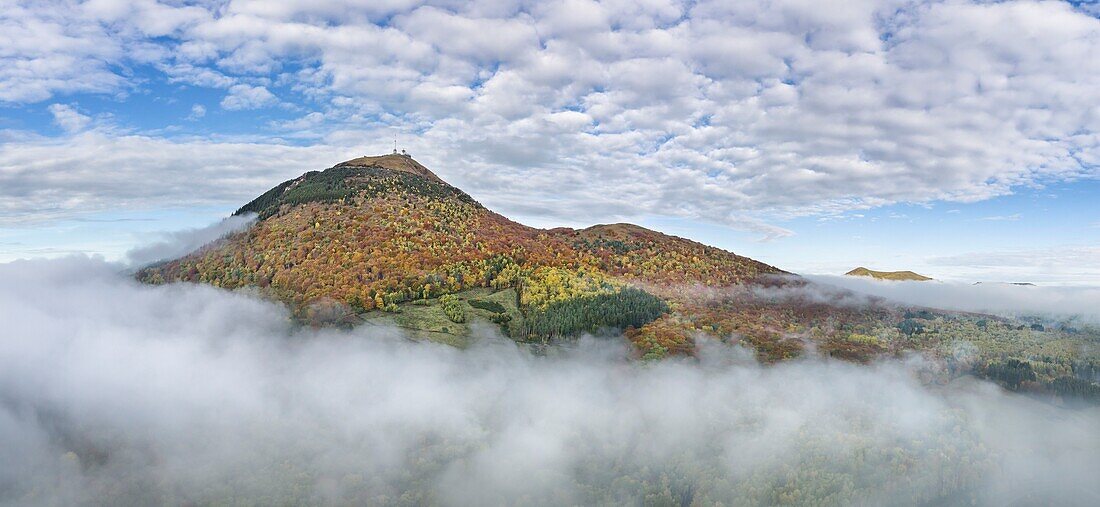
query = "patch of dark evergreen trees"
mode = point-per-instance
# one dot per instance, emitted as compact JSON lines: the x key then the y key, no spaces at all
{"x":617,"y":246}
{"x":591,"y":314}
{"x":910,"y":327}
{"x":1010,"y":373}
{"x":489,"y":306}
{"x":1014,"y":372}
{"x":1076,"y":389}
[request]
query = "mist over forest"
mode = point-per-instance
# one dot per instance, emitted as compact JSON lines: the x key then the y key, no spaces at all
{"x":114,"y":392}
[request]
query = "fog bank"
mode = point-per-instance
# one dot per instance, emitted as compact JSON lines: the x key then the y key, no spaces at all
{"x":114,"y":392}
{"x":997,"y":298}
{"x":175,"y":244}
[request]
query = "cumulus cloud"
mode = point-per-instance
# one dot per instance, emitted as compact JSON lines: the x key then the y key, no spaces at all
{"x":244,"y":96}
{"x":739,"y":114}
{"x":44,"y":52}
{"x":68,"y":118}
{"x":197,"y":112}
{"x":114,"y":392}
{"x":95,"y":170}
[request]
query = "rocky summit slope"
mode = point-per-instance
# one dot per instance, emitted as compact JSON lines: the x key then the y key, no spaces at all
{"x":384,"y":241}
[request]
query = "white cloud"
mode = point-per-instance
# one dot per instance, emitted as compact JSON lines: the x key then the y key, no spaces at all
{"x":712,"y":110}
{"x":68,"y":118}
{"x":197,"y":76}
{"x":301,"y":124}
{"x":1003,"y":218}
{"x":120,"y":393}
{"x":45,"y":50}
{"x":197,"y":112}
{"x":244,"y":96}
{"x":93,"y":170}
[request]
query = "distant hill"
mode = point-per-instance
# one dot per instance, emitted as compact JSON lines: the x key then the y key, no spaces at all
{"x":888,"y":275}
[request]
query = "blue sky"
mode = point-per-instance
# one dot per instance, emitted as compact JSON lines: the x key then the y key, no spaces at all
{"x":959,"y":139}
{"x":944,"y":239}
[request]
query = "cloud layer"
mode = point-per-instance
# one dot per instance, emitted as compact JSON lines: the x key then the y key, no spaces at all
{"x":1071,"y":265}
{"x":1061,"y":301}
{"x":735,"y":113}
{"x":114,"y":392}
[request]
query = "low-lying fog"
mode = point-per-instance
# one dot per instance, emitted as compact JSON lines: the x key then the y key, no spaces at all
{"x":112,"y":392}
{"x":1058,"y":302}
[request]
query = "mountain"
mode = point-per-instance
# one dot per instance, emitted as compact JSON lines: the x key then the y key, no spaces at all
{"x":383,"y":241}
{"x":888,"y":275}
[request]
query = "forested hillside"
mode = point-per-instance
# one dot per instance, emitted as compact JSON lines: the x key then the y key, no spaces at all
{"x":384,"y":241}
{"x":378,"y":232}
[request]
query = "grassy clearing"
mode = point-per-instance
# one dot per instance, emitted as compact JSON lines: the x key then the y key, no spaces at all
{"x":426,"y":320}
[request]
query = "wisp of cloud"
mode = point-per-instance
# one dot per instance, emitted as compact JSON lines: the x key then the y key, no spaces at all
{"x":113,"y":392}
{"x":176,"y":244}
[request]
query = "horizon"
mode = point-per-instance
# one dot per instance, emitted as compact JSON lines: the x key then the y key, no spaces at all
{"x":877,"y":134}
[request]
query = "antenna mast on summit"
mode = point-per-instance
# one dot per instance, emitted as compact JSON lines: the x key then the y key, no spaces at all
{"x":395,"y":145}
